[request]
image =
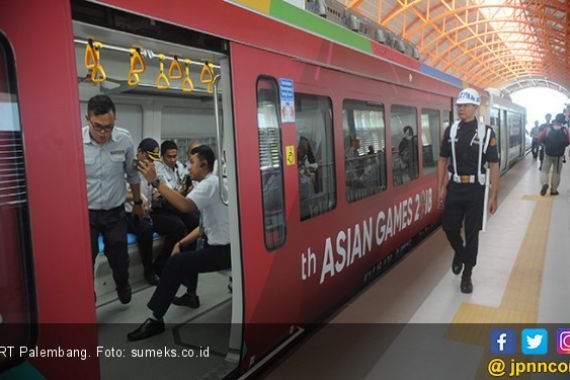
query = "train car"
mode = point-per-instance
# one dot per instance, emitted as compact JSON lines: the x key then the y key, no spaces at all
{"x":508,"y":119}
{"x":328,"y":142}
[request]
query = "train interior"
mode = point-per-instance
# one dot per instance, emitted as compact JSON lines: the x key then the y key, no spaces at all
{"x":169,"y":113}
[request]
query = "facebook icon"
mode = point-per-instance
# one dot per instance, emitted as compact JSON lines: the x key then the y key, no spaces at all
{"x":503,"y":342}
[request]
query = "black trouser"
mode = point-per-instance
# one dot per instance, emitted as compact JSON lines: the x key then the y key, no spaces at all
{"x":172,"y":227}
{"x":143,"y":230}
{"x":534,"y":148}
{"x":541,"y":153}
{"x":464,"y":205}
{"x":113,"y":225}
{"x":183,"y":268}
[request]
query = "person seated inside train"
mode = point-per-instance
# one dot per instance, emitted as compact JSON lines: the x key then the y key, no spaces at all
{"x":166,"y":217}
{"x":184,"y":265}
{"x":143,"y":227}
{"x":308,"y":169}
{"x":407,"y":150}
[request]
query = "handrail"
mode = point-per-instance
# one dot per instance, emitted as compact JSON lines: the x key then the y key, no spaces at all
{"x":219,"y":137}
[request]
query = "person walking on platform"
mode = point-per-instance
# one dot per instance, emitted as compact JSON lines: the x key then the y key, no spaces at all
{"x":548,"y":118}
{"x":109,"y":156}
{"x":534,"y":132}
{"x":470,"y":144}
{"x":555,"y":139}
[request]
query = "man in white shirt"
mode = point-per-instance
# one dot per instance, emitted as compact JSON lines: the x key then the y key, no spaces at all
{"x":184,"y":266}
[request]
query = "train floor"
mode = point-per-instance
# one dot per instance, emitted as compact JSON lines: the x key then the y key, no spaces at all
{"x":413,"y":321}
{"x":203,"y":332}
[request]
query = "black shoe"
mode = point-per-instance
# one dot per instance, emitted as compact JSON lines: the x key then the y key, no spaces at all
{"x":190,"y":300}
{"x":466,"y":285}
{"x":456,"y":265}
{"x":124,"y":293}
{"x":543,"y":190}
{"x":554,"y":192}
{"x":147,"y":329}
{"x":151,"y":278}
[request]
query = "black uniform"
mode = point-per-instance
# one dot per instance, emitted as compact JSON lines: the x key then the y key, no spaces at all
{"x":464,"y":201}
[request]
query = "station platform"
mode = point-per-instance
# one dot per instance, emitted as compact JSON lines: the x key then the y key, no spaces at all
{"x":413,"y":321}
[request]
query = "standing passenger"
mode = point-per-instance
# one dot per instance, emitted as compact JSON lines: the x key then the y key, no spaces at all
{"x":555,"y":139}
{"x":108,"y":157}
{"x":470,"y":145}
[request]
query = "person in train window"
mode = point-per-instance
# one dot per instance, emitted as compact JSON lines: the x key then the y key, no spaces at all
{"x":555,"y":139}
{"x":534,"y":134}
{"x":463,"y":197}
{"x":143,"y":228}
{"x":109,"y":155}
{"x":408,"y":150}
{"x":307,"y":168}
{"x":546,"y":125}
{"x":183,"y":266}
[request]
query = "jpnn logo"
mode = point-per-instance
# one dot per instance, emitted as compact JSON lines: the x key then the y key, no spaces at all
{"x":503,"y":342}
{"x":534,"y":341}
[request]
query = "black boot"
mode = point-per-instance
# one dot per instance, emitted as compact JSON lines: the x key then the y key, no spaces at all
{"x":456,"y":264}
{"x":466,"y":284}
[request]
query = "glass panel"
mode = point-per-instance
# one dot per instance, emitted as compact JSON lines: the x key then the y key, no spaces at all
{"x":315,"y":154}
{"x":404,"y":144}
{"x":364,"y":149}
{"x":271,"y":163}
{"x":430,"y":139}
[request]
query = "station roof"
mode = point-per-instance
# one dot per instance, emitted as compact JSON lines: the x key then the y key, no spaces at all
{"x":505,"y":44}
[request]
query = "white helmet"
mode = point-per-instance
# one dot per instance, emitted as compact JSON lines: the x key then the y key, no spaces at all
{"x":469,"y":96}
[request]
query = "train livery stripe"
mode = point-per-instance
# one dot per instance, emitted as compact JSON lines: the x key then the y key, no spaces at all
{"x":442,"y":76}
{"x":291,"y":14}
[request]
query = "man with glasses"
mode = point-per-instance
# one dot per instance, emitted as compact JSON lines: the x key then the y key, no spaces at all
{"x":109,"y":155}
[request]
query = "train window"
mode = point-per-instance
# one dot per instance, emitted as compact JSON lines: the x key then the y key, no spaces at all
{"x":17,"y":297}
{"x":271,"y":163}
{"x":430,"y":139}
{"x":315,"y":154}
{"x":405,"y":134}
{"x":515,"y":129}
{"x":364,"y":149}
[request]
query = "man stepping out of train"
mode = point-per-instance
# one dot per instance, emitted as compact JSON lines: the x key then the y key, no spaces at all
{"x":555,"y":139}
{"x":466,"y":147}
{"x":183,"y":267}
{"x":109,"y":155}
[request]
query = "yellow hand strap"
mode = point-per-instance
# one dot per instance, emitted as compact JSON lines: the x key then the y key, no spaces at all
{"x":162,"y":77}
{"x":175,"y":66}
{"x":187,"y":85}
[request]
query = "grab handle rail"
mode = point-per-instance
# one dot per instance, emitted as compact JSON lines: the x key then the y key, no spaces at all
{"x":219,"y":137}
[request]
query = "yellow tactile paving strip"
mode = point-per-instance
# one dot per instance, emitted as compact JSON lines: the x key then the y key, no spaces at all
{"x":520,"y":300}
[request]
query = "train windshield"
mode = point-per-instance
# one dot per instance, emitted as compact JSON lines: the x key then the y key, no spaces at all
{"x":17,"y":302}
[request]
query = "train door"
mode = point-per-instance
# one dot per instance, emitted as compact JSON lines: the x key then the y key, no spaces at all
{"x":173,"y":85}
{"x":18,"y":318}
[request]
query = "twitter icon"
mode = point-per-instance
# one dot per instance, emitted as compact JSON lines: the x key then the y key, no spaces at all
{"x":534,"y":341}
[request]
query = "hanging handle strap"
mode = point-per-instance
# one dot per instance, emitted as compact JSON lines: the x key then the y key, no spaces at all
{"x":175,"y":69}
{"x":162,"y":82}
{"x":187,"y":85}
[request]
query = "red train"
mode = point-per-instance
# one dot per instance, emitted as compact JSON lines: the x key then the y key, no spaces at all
{"x":330,"y":143}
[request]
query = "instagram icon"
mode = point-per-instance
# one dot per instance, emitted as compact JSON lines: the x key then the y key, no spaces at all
{"x":563,"y":343}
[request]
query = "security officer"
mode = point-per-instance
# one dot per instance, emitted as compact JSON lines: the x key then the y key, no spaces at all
{"x":109,"y":156}
{"x":469,"y":144}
